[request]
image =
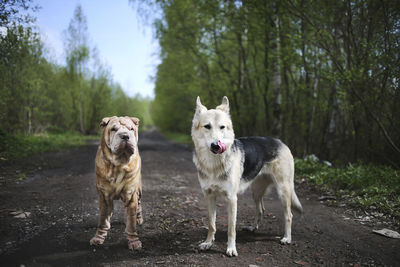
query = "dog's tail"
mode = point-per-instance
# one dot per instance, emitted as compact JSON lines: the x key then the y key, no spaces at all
{"x":296,"y":203}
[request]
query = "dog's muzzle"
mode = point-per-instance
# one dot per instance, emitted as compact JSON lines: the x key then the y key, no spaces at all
{"x":218,"y":147}
{"x":125,"y":146}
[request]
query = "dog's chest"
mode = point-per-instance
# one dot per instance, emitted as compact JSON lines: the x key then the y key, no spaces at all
{"x":115,"y":187}
{"x":216,"y":182}
{"x":211,"y":186}
{"x":217,"y":176}
{"x":116,"y":175}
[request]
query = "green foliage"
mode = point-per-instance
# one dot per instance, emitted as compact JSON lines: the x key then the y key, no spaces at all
{"x":36,"y":95}
{"x":321,"y":75}
{"x":17,"y":146}
{"x":10,"y":12}
{"x":362,"y":185}
{"x":179,"y":138}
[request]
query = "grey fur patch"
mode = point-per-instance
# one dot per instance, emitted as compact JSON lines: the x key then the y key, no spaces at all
{"x":202,"y":175}
{"x":223,"y":176}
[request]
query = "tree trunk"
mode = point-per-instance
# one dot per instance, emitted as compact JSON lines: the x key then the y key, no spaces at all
{"x":81,"y":117}
{"x":29,"y":120}
{"x":277,"y":90}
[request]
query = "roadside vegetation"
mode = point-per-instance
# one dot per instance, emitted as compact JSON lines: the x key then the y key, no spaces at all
{"x":46,"y":105}
{"x":37,"y":93}
{"x":373,"y":188}
{"x":323,"y":76}
{"x":13,"y":146}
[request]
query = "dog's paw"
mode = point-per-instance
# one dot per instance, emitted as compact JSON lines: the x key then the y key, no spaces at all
{"x":134,"y":244}
{"x":139,"y":221}
{"x":96,"y":240}
{"x":205,"y":245}
{"x":286,"y":240}
{"x":231,"y":251}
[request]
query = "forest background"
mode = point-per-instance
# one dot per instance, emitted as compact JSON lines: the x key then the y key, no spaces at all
{"x":321,"y":75}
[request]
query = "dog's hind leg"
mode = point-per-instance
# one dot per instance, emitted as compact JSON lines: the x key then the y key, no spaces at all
{"x":106,"y":210}
{"x":285,"y":194}
{"x":212,"y":213}
{"x":259,"y":188}
{"x":284,"y":185}
{"x":283,"y":171}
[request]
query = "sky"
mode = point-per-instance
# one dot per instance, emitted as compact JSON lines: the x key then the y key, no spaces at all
{"x":124,"y":42}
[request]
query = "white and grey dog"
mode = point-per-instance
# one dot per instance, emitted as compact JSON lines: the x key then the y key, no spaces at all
{"x":227,"y":166}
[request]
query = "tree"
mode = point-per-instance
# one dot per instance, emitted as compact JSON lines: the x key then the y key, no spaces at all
{"x":23,"y":94}
{"x":321,"y":75}
{"x":77,"y":57}
{"x":10,"y":12}
{"x":36,"y":95}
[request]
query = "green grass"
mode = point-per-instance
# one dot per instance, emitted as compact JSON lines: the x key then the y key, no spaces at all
{"x":365,"y":186}
{"x":179,"y":137}
{"x":18,"y":146}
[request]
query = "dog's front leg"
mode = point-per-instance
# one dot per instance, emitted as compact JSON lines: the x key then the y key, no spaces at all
{"x":232,"y":211}
{"x":139,"y":216}
{"x":131,"y":216}
{"x":106,"y":210}
{"x":212,"y":212}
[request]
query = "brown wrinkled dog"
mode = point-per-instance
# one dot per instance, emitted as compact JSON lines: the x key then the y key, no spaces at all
{"x":118,"y":176}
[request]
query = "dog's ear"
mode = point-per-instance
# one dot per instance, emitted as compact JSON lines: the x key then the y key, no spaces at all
{"x":225,"y":105}
{"x":104,"y":121}
{"x":135,"y":120}
{"x":199,"y":107}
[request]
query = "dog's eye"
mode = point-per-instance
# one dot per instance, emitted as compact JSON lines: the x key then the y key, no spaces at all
{"x":131,"y":129}
{"x":208,"y":126}
{"x":113,"y":129}
{"x":222,"y":127}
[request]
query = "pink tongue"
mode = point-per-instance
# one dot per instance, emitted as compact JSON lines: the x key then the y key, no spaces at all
{"x":222,"y":147}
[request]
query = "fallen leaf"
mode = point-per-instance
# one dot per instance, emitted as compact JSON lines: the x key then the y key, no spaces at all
{"x":220,"y":205}
{"x":302,"y":263}
{"x":21,"y":214}
{"x":259,"y":259}
{"x":16,"y":212}
{"x":387,"y":233}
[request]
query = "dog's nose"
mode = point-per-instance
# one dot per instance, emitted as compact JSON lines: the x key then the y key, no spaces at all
{"x":124,"y":136}
{"x":214,"y":146}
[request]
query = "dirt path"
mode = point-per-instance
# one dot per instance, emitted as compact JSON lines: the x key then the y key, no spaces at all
{"x":60,"y":205}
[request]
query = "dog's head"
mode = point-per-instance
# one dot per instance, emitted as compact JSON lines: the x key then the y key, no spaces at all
{"x":212,"y":129}
{"x":120,"y":135}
